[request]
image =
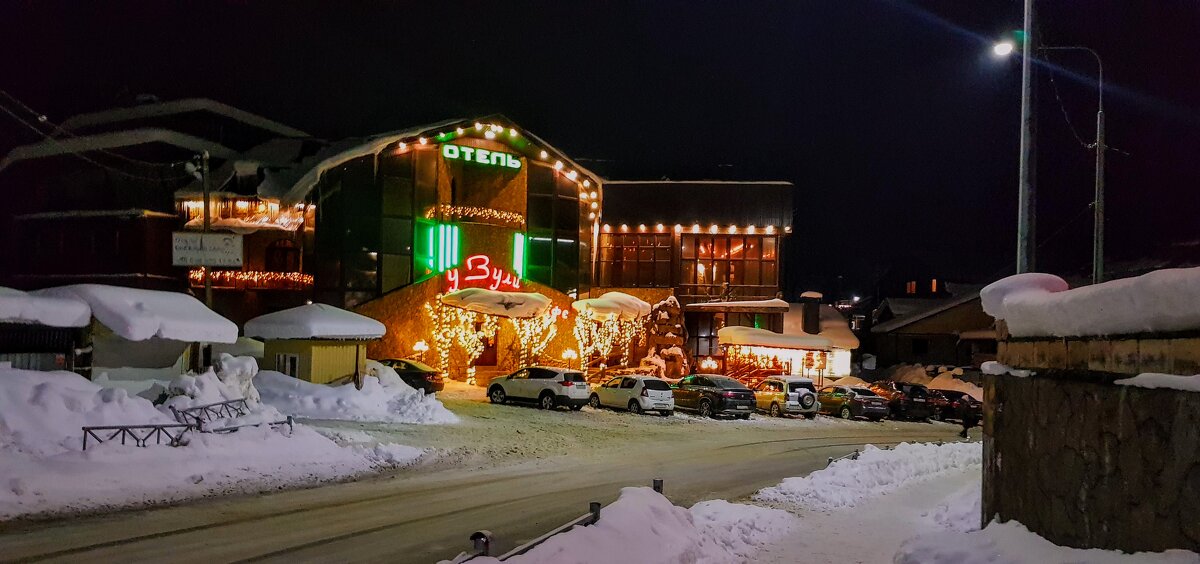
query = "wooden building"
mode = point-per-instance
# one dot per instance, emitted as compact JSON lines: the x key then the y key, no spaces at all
{"x":315,"y":342}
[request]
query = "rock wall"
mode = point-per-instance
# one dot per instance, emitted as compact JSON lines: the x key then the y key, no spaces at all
{"x":1087,"y":463}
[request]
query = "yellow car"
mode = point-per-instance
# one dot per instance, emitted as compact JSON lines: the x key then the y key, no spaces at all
{"x":787,"y":395}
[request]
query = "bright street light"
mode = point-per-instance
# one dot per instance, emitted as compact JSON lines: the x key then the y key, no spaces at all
{"x":1004,"y":48}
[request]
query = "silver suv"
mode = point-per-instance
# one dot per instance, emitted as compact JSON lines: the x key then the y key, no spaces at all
{"x":550,"y":387}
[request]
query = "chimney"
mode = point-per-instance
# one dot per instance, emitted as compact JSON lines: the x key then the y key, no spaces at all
{"x":810,"y":304}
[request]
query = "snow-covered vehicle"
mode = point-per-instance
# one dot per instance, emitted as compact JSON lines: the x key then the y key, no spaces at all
{"x":636,"y":393}
{"x":787,"y":395}
{"x":550,"y":387}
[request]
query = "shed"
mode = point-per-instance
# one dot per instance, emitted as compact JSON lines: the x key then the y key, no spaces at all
{"x":41,"y":332}
{"x":318,"y":343}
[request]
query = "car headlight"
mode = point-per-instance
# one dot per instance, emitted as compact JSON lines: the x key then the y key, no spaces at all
{"x":807,"y":400}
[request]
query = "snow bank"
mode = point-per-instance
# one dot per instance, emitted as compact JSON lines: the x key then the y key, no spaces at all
{"x":1166,"y":381}
{"x":996,"y":369}
{"x":502,"y":304}
{"x":394,"y":403}
{"x":643,"y":526}
{"x":23,"y":307}
{"x":138,"y":315}
{"x":43,"y":467}
{"x":619,"y":304}
{"x":948,"y":381}
{"x":1012,"y":543}
{"x":876,"y":471}
{"x":1038,"y":305}
{"x":314,"y":321}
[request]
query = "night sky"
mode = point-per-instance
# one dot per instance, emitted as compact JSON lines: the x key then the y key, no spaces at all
{"x":894,"y":120}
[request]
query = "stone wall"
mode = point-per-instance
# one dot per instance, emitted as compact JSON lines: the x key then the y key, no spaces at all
{"x":1087,"y":463}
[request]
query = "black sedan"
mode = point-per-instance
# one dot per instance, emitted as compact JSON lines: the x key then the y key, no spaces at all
{"x":712,"y":395}
{"x":419,"y":375}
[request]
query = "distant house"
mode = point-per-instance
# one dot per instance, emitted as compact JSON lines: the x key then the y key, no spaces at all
{"x":952,"y":331}
{"x":41,"y":332}
{"x":315,"y":342}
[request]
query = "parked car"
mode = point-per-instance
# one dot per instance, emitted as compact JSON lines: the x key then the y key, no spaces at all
{"x":784,"y":395}
{"x":419,"y":375}
{"x":635,"y":393}
{"x":905,"y":400}
{"x":550,"y":387}
{"x":849,"y":402}
{"x":939,"y":404}
{"x":711,"y":395}
{"x":957,"y":402}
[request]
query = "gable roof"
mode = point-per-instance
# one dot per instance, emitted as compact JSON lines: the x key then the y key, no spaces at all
{"x":178,"y":107}
{"x":932,"y":310}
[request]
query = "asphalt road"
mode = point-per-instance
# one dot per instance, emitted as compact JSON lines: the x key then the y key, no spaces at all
{"x":515,"y":471}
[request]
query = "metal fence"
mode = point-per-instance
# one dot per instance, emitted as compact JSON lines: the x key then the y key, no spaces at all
{"x":201,"y":414}
{"x":197,"y":418}
{"x":172,"y":433}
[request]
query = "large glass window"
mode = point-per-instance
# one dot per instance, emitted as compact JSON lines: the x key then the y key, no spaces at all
{"x":747,"y":263}
{"x":635,"y":260}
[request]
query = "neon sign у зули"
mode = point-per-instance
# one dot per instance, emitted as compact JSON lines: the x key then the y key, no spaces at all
{"x":481,"y":156}
{"x":478,"y":272}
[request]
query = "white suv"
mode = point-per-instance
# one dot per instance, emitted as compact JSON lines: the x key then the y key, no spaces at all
{"x":637,"y":393}
{"x":550,"y":387}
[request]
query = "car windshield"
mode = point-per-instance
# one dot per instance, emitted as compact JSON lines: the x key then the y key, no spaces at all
{"x":573,"y":377}
{"x":727,"y":383}
{"x":656,"y":384}
{"x":862,"y":392}
{"x":797,"y":386}
{"x":415,"y":365}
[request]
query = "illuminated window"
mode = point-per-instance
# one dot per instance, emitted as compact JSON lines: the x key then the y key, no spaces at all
{"x":749,"y":264}
{"x":933,"y":285}
{"x":635,"y":260}
{"x":910,"y":287}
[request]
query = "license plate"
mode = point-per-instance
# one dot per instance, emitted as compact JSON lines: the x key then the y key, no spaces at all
{"x":742,"y":407}
{"x":660,"y":405}
{"x":918,"y":400}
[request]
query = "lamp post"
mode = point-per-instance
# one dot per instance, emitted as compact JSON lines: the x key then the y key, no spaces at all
{"x":1005,"y":48}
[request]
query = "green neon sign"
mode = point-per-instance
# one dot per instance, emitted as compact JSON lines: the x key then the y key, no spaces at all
{"x":441,"y":247}
{"x":480,"y":156}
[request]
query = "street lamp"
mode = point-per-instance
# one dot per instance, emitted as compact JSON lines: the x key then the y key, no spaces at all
{"x":1005,"y":48}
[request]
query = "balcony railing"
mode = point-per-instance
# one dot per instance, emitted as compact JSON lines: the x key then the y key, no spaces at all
{"x":692,"y":293}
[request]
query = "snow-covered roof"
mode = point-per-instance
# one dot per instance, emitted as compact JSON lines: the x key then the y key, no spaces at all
{"x":314,"y":321}
{"x":620,"y":304}
{"x":812,"y":295}
{"x":141,"y":136}
{"x":735,"y":335}
{"x":764,"y":305}
{"x":137,"y":315}
{"x":178,"y":107}
{"x":23,"y":307}
{"x":833,"y":325}
{"x":502,"y":304}
{"x":1038,"y":305}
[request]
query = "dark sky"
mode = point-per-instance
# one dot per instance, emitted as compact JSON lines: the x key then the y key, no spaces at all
{"x":893,"y":119}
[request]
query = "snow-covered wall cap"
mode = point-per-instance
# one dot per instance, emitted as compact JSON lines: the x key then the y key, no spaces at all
{"x":1040,"y":305}
{"x":734,"y":335}
{"x":314,"y":321}
{"x":501,"y":304}
{"x":17,"y":306}
{"x":137,"y":315}
{"x":813,"y":295}
{"x":620,"y":304}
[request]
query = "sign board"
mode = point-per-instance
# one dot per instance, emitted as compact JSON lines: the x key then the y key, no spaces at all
{"x":190,"y":248}
{"x":481,"y":156}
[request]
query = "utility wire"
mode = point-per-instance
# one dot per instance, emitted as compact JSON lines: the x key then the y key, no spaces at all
{"x":82,"y":157}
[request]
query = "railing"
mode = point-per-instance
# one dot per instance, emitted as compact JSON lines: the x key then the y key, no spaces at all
{"x":481,"y":541}
{"x":692,"y":293}
{"x":201,"y":414}
{"x":140,"y":434}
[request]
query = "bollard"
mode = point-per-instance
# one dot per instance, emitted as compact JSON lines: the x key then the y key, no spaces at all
{"x":594,"y":507}
{"x":828,"y":462}
{"x":482,"y":541}
{"x":657,"y":484}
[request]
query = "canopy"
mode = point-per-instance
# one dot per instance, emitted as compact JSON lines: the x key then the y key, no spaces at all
{"x":500,"y":304}
{"x":314,"y":321}
{"x":623,"y":306}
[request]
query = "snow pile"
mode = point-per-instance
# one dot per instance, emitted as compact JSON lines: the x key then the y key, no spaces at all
{"x":852,"y":381}
{"x":996,"y":369}
{"x":314,"y":321}
{"x":960,"y":511}
{"x":395,"y":402}
{"x":616,"y":304}
{"x":1166,"y":381}
{"x":1037,"y":305}
{"x":645,"y":527}
{"x":138,"y":315}
{"x":949,"y":381}
{"x":876,"y":471}
{"x":502,"y":304}
{"x":23,"y":307}
{"x":736,"y":335}
{"x":41,"y":412}
{"x":1012,"y":543}
{"x":43,"y":467}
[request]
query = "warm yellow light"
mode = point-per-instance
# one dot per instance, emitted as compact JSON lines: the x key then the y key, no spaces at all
{"x":787,"y":229}
{"x":733,"y":229}
{"x":624,"y":227}
{"x":570,"y":354}
{"x":512,"y":132}
{"x":459,"y":131}
{"x":403,"y":146}
{"x":420,"y":346}
{"x":641,"y":227}
{"x":586,"y":183}
{"x":695,"y":228}
{"x":423,"y":140}
{"x":478,"y":126}
{"x":713,"y":228}
{"x":594,"y":194}
{"x":583,"y":195}
{"x":678,"y":228}
{"x":595,"y":205}
{"x":558,"y":165}
{"x":242,"y":205}
{"x":750,"y":229}
{"x":607,"y":228}
{"x":543,"y":154}
{"x":770,"y":229}
{"x":489,"y":134}
{"x":658,"y":227}
{"x":571,"y":175}
{"x":592,"y":215}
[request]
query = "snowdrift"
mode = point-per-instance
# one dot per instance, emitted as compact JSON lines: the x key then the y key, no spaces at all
{"x":395,"y":402}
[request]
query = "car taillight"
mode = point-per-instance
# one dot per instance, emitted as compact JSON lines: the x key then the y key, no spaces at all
{"x":567,"y":383}
{"x":729,"y":394}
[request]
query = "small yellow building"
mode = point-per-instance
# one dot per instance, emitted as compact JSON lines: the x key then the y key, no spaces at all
{"x":315,"y":342}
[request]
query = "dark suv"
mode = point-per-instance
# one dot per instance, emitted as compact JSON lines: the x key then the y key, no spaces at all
{"x":711,"y":395}
{"x":905,"y":401}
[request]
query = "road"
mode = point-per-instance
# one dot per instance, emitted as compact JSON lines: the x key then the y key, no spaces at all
{"x":516,"y":471}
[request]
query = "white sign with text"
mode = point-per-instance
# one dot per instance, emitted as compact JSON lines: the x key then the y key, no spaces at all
{"x":206,"y":249}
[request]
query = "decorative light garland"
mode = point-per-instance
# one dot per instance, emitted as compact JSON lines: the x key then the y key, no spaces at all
{"x":249,"y":212}
{"x":456,"y":326}
{"x":242,"y":279}
{"x":513,"y":219}
{"x":601,"y":336}
{"x":533,"y":334}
